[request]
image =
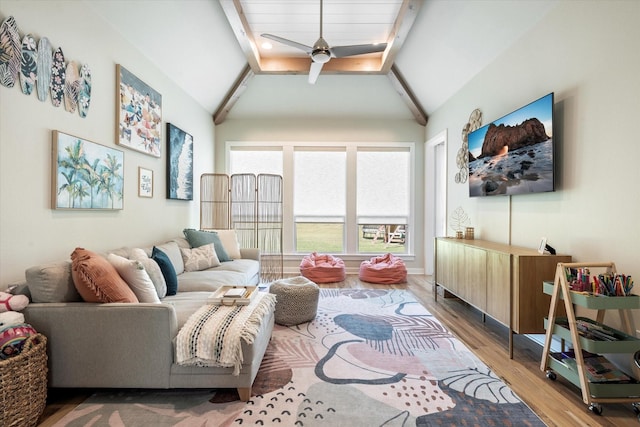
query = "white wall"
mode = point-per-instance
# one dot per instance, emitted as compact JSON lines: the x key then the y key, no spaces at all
{"x":588,"y":53}
{"x":30,"y":231}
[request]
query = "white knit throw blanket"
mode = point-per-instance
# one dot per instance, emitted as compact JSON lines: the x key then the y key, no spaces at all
{"x":211,"y":336}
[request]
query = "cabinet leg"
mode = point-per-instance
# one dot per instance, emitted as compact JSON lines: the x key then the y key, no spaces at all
{"x":510,"y":343}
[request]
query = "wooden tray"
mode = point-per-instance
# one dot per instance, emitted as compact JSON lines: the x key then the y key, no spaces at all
{"x":218,"y":298}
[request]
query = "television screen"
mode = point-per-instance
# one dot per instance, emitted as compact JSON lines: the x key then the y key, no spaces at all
{"x":514,"y":154}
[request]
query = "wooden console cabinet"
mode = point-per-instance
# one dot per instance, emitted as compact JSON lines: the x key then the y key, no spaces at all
{"x":502,"y":281}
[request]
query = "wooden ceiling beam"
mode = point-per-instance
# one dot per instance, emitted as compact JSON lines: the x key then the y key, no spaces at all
{"x":404,"y":21}
{"x":240,"y":26}
{"x":350,"y":65}
{"x":403,"y":89}
{"x":239,"y":86}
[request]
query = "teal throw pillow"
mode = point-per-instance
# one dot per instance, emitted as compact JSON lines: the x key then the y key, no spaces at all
{"x":168,"y":272}
{"x":197,"y":238}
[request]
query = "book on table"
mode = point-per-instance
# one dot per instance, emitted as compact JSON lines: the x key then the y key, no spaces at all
{"x":235,"y":293}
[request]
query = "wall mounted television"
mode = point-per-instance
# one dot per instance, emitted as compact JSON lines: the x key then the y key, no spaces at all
{"x":514,"y":154}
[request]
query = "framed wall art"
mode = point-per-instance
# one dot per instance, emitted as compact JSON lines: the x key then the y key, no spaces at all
{"x":139,"y":114}
{"x":145,"y":182}
{"x":86,"y":175}
{"x":179,"y":164}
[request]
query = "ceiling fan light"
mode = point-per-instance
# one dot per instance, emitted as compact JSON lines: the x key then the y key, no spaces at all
{"x":321,"y":56}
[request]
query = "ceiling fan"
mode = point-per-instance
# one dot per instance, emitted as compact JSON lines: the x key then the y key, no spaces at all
{"x":321,"y":52}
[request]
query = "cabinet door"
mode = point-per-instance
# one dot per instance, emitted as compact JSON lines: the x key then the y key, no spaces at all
{"x":473,"y":286}
{"x":498,"y":280}
{"x":448,"y":258}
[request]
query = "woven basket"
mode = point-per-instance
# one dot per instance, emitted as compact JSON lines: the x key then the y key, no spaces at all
{"x":23,"y":384}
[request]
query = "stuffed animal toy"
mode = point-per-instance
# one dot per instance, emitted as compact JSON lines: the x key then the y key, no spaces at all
{"x":10,"y":318}
{"x":10,"y":302}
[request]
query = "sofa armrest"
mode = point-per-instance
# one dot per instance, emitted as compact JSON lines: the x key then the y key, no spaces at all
{"x":106,"y":345}
{"x":250,"y":253}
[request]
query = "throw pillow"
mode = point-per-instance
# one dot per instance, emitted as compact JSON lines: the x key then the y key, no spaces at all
{"x":169,"y":273}
{"x":230,"y":243}
{"x":97,"y":280}
{"x":172,"y":250}
{"x":201,"y":258}
{"x":199,"y":238}
{"x":136,"y":276}
{"x":153,"y":270}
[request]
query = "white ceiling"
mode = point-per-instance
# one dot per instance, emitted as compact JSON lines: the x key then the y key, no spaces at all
{"x":345,"y":22}
{"x":449,"y":43}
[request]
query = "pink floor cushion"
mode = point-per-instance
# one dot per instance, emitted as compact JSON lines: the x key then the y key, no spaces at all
{"x":322,"y":268}
{"x":385,"y":269}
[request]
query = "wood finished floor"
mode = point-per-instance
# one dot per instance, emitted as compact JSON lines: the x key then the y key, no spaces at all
{"x":557,"y":403}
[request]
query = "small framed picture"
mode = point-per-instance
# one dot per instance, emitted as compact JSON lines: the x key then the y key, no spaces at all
{"x":145,"y":182}
{"x":543,"y":245}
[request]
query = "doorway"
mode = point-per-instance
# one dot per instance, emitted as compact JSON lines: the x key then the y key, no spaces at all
{"x":435,"y":195}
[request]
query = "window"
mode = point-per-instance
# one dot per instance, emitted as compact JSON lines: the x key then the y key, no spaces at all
{"x":319,"y":199}
{"x":383,"y":184}
{"x":338,"y":198}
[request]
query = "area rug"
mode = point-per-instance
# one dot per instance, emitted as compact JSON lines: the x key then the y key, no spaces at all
{"x":371,"y":357}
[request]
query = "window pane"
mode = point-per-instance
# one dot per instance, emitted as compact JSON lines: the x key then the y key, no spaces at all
{"x":320,"y":199}
{"x":382,"y":238}
{"x":383,"y":200}
{"x":319,"y":237}
{"x":255,"y":161}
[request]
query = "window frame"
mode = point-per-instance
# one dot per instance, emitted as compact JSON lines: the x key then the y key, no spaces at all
{"x":351,"y":225}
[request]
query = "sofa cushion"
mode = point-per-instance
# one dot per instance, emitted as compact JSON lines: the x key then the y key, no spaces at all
{"x":97,"y":280}
{"x":172,"y":250}
{"x":168,"y":272}
{"x":199,"y":238}
{"x":185,"y":304}
{"x":52,"y":282}
{"x":239,"y":272}
{"x":201,"y":258}
{"x":136,"y":276}
{"x":153,"y":270}
{"x":230,"y":243}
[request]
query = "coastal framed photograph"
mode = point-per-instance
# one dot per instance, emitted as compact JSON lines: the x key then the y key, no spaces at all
{"x":179,"y":164}
{"x":85,"y":175}
{"x":139,"y":114}
{"x":145,"y":182}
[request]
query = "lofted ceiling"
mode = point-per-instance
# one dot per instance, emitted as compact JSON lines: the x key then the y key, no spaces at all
{"x":345,"y":22}
{"x":213,"y":50}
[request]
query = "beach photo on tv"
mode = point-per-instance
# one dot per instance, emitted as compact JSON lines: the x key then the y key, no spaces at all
{"x":514,"y":154}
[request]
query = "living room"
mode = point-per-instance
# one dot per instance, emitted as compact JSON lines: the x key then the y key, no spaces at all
{"x":585,"y":52}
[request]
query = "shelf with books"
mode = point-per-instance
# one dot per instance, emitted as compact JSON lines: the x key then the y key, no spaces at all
{"x":585,"y":366}
{"x":595,"y":337}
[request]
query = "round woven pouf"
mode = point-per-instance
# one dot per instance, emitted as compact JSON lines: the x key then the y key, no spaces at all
{"x":296,"y":300}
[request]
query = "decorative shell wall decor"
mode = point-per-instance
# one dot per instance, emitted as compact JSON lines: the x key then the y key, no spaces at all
{"x":36,"y":65}
{"x":462,"y":158}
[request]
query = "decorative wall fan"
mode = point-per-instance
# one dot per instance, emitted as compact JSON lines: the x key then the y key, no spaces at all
{"x":320,"y":53}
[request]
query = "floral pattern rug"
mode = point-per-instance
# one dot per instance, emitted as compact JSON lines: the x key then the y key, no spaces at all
{"x":371,"y":357}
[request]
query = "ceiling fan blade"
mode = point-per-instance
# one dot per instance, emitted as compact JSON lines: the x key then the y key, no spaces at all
{"x":357,"y":49}
{"x":288,"y":42}
{"x":314,"y":71}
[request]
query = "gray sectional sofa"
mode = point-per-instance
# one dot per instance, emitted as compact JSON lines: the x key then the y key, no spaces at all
{"x":132,"y":345}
